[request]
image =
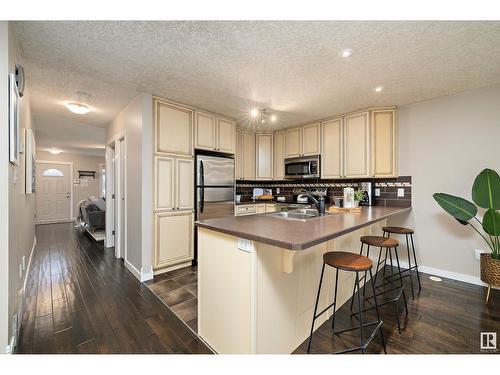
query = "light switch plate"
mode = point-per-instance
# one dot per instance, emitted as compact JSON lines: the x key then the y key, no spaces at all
{"x":245,"y":245}
{"x":377,"y":192}
{"x":401,"y":192}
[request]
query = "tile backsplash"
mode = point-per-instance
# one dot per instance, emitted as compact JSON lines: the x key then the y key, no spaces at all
{"x":388,"y":189}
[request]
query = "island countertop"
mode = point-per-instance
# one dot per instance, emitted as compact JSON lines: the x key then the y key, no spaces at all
{"x":296,"y":234}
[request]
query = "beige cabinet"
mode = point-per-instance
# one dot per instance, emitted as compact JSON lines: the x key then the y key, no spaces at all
{"x":384,"y":141}
{"x":357,"y":145}
{"x":244,"y":209}
{"x":264,"y":161}
{"x":311,"y":139}
{"x":279,"y":155}
{"x":260,"y":208}
{"x":238,"y":156}
{"x":173,"y":238}
{"x":270,"y":207}
{"x":332,"y":145}
{"x":214,"y":133}
{"x":293,"y":142}
{"x":248,"y":155}
{"x":173,"y":183}
{"x":173,"y":128}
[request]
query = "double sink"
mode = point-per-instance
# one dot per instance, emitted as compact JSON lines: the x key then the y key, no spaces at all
{"x":298,"y":214}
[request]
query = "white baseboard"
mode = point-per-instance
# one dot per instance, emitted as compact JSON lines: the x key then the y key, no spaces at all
{"x":141,"y":276}
{"x":148,"y":275}
{"x":173,"y":268}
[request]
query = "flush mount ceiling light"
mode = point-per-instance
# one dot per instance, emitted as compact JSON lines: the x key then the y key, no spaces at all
{"x":346,"y":52}
{"x":378,"y":89}
{"x":54,"y":151}
{"x":263,"y":115}
{"x":78,"y":108}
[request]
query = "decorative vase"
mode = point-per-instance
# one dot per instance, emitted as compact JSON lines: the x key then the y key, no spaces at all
{"x":356,"y":204}
{"x":490,"y":272}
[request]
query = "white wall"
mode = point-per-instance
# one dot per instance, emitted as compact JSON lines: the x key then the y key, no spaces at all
{"x":136,"y":123}
{"x":443,"y":144}
{"x":83,"y":163}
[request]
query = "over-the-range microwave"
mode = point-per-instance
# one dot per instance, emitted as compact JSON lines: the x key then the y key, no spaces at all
{"x":302,"y":167}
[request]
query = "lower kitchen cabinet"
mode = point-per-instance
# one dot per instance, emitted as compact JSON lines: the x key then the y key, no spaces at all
{"x":173,"y":238}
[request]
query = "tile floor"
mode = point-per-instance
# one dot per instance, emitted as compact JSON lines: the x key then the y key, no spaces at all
{"x":178,"y":290}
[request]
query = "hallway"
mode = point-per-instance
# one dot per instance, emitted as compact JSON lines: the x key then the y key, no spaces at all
{"x":81,"y":299}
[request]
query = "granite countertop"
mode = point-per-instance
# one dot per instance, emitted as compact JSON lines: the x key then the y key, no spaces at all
{"x":270,"y":201}
{"x":296,"y":234}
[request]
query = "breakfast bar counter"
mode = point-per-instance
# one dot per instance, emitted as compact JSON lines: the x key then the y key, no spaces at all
{"x":258,"y":276}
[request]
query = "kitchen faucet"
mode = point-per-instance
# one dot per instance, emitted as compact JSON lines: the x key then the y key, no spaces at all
{"x":319,"y":203}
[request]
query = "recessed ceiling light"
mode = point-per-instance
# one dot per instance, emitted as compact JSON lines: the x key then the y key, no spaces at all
{"x":254,"y":112}
{"x":346,"y":52}
{"x":54,"y":151}
{"x":273,"y":118}
{"x":378,"y":89}
{"x":78,"y":108}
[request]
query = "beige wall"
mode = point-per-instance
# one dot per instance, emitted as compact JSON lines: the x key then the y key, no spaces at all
{"x":21,"y":206}
{"x":80,"y":162}
{"x":136,"y":123}
{"x":443,"y":144}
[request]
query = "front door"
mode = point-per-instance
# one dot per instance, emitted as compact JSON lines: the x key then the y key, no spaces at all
{"x":53,"y":192}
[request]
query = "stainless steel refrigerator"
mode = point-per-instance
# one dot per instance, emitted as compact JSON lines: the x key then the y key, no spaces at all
{"x":214,"y":186}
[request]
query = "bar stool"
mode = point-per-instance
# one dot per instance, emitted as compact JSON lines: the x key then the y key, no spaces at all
{"x":407,"y":232}
{"x":345,"y":261}
{"x":388,"y":244}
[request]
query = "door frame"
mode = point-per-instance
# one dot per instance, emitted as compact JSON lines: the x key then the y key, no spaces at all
{"x":71,"y":218}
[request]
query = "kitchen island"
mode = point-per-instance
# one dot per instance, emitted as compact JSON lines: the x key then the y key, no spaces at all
{"x":258,"y":276}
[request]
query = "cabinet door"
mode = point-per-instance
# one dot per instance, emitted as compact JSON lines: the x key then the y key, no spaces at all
{"x":173,"y":238}
{"x":238,"y":157}
{"x":225,"y":136}
{"x":205,"y":131}
{"x":248,"y":155}
{"x":332,"y":155}
{"x":357,"y":143}
{"x":293,"y":142}
{"x":260,"y":208}
{"x":279,"y":155}
{"x":174,"y":128}
{"x":311,"y":135}
{"x":270,"y":207}
{"x":264,"y":156}
{"x":164,"y":183}
{"x":184,"y":187}
{"x":384,"y":141}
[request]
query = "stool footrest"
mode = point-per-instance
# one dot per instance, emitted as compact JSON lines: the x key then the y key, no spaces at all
{"x":324,"y":310}
{"x":365,"y":344}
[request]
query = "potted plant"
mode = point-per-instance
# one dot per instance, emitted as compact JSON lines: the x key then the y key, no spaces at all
{"x":358,"y":197}
{"x":485,"y":194}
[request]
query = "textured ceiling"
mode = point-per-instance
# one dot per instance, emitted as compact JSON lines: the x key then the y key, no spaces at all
{"x":293,"y":68}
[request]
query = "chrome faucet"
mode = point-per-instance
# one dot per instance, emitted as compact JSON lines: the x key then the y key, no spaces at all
{"x":319,"y":203}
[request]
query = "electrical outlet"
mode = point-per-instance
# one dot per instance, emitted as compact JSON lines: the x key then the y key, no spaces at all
{"x":377,"y":192}
{"x":478,"y":253}
{"x":277,"y":190}
{"x":245,"y":245}
{"x":401,"y":192}
{"x":24,"y":262}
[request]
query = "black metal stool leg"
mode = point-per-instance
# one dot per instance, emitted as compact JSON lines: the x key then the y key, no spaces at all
{"x":401,"y":279}
{"x":395,"y":291}
{"x":335,"y":299}
{"x":415,"y":261}
{"x":366,"y":272}
{"x":378,"y":264}
{"x":376,"y":307}
{"x":360,"y":314}
{"x":316,"y":308}
{"x":409,"y":267}
{"x":385,"y":260}
{"x":354,"y":288}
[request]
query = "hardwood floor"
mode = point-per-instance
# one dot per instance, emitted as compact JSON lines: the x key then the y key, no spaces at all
{"x":81,"y":299}
{"x":446,"y":317}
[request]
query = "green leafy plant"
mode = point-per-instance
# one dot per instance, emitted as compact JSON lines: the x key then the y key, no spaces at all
{"x":358,"y":195}
{"x":485,"y":194}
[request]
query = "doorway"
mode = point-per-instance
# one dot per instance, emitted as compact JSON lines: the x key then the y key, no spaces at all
{"x":54,"y":196}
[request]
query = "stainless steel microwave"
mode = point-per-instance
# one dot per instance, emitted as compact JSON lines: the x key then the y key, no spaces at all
{"x":302,"y":167}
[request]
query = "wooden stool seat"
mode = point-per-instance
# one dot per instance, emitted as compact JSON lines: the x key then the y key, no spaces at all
{"x":379,"y":241}
{"x":398,"y":230}
{"x":347,"y":261}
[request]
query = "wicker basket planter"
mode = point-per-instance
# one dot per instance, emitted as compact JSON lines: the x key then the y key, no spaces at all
{"x":490,"y":270}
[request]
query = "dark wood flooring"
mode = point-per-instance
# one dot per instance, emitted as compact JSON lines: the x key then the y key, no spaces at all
{"x":446,"y":317}
{"x":81,"y":299}
{"x":178,"y":290}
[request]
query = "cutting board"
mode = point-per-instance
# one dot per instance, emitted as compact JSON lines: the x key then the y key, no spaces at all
{"x":354,"y":210}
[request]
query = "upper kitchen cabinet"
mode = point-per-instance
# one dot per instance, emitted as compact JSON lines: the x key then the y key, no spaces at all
{"x":248,"y":155}
{"x":173,"y":128}
{"x":311,"y":135}
{"x":238,"y":156}
{"x":357,"y":145}
{"x":279,"y":155}
{"x":264,"y":162}
{"x":332,"y":156}
{"x":384,"y":141}
{"x":214,"y":133}
{"x":303,"y":141}
{"x":293,"y":142}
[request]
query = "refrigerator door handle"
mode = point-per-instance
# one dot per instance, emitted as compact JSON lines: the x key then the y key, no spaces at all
{"x":202,"y":188}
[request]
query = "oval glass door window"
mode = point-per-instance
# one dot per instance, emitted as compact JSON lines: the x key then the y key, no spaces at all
{"x":52,"y":172}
